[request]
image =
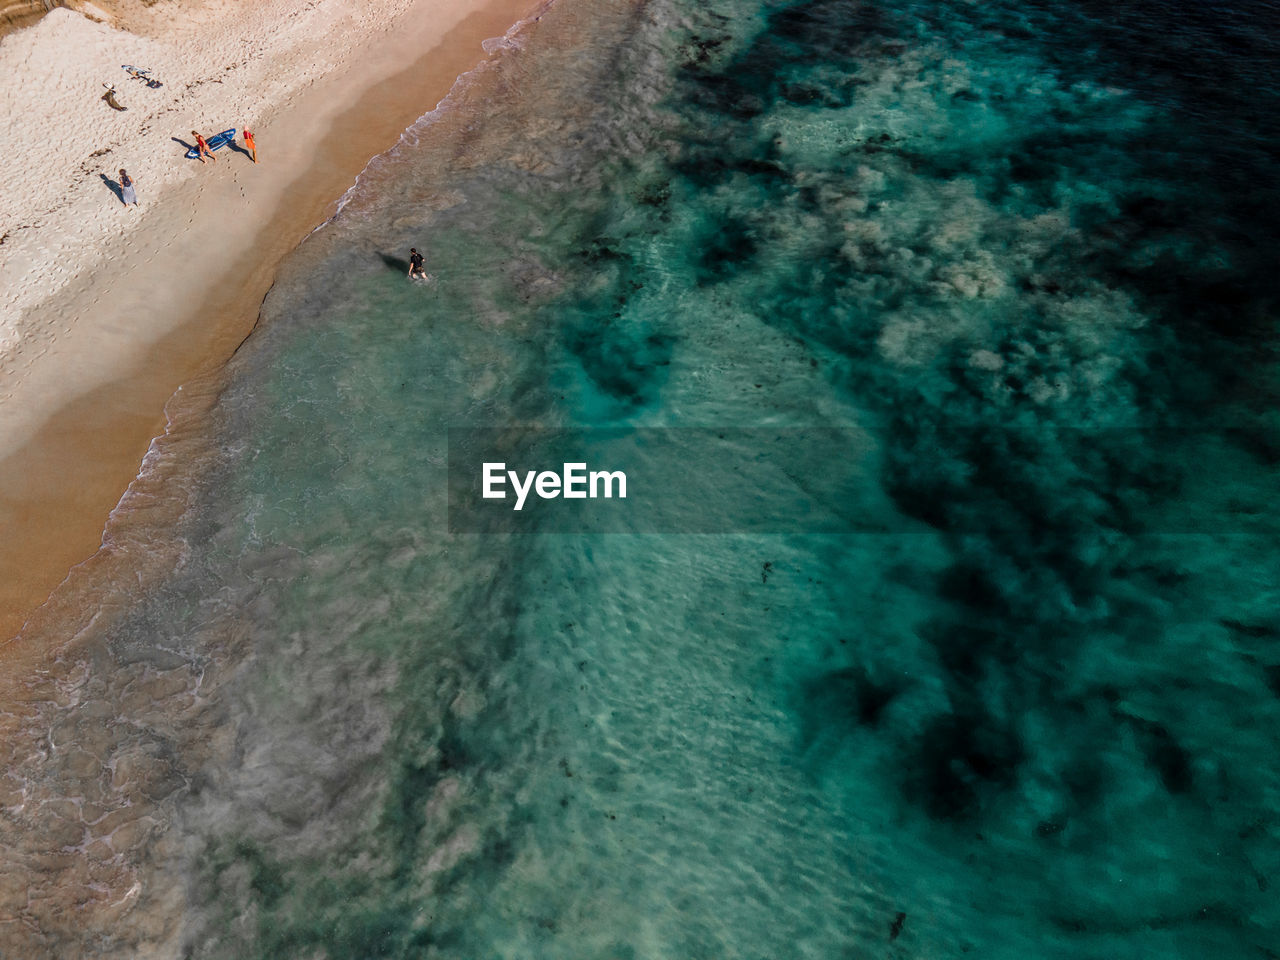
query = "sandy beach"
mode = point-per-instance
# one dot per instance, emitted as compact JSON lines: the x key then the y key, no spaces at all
{"x":109,"y":309}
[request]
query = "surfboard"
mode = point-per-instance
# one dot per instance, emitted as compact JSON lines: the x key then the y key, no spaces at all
{"x":216,"y":141}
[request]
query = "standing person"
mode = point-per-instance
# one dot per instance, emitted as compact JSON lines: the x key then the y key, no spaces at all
{"x":127,"y":193}
{"x":415,"y":264}
{"x":202,"y":148}
{"x":248,"y":142}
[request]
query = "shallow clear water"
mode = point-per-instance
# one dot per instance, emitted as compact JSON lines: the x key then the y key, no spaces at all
{"x":1003,"y":255}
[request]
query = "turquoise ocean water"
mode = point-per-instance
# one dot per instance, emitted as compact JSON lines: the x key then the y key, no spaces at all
{"x":1017,"y":258}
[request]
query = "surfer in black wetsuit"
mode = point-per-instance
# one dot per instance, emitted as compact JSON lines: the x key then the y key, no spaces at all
{"x":415,"y":264}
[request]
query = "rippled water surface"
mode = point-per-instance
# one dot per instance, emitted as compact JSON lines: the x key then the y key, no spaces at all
{"x":1013,"y":261}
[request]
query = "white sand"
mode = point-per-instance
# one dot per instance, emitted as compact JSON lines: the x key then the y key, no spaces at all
{"x":223,"y":63}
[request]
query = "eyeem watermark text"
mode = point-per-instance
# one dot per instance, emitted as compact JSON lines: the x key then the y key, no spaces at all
{"x":572,"y":483}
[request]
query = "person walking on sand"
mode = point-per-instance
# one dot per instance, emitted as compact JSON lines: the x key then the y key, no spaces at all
{"x":127,"y":194}
{"x":415,"y":264}
{"x":248,"y":142}
{"x":202,"y":148}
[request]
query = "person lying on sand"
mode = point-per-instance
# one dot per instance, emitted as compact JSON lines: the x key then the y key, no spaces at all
{"x":144,"y":75}
{"x":110,"y":97}
{"x":202,"y":148}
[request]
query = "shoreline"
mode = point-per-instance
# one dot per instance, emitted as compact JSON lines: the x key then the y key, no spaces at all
{"x":62,"y":481}
{"x":115,"y":743}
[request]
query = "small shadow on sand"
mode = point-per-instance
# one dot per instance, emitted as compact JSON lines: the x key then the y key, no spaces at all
{"x":115,"y":187}
{"x":239,"y":149}
{"x":395,"y":263}
{"x":185,"y":145}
